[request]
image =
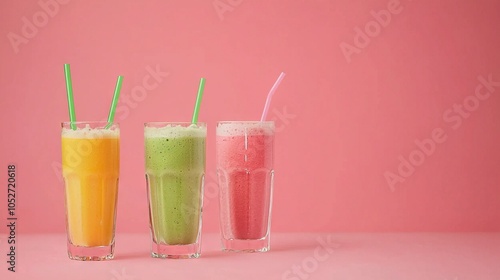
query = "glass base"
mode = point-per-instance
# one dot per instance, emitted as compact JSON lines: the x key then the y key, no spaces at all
{"x":246,"y":245}
{"x":98,"y":253}
{"x":164,"y":251}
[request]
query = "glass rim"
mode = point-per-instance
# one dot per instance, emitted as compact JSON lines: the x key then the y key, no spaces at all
{"x":88,"y":122}
{"x":181,"y":123}
{"x":245,"y":122}
{"x":91,"y":124}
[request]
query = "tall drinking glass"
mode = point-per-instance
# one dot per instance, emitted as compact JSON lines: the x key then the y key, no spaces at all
{"x":90,"y":167}
{"x":175,"y":172}
{"x":245,"y":155}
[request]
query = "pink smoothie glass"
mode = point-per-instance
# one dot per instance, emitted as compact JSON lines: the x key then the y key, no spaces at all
{"x":245,"y":155}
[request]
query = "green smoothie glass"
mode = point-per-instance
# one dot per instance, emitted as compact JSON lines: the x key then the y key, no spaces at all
{"x":175,"y":171}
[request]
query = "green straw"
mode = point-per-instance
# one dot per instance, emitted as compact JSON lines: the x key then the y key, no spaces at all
{"x":116,"y":95}
{"x":198,"y":101}
{"x":69,"y":91}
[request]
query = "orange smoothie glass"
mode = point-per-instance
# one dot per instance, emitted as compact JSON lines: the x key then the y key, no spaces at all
{"x":90,"y":167}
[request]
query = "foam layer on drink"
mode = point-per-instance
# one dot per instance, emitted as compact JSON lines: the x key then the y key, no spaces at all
{"x":245,"y":128}
{"x":88,"y":132}
{"x":175,"y":131}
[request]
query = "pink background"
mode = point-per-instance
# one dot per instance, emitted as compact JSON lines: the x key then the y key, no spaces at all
{"x":347,"y":124}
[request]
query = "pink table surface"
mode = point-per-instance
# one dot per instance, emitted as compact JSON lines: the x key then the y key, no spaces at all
{"x":443,"y":256}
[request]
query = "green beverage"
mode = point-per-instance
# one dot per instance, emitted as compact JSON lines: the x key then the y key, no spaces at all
{"x":175,"y":169}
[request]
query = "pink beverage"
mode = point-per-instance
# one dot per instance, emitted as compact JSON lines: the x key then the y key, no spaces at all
{"x":245,"y":153}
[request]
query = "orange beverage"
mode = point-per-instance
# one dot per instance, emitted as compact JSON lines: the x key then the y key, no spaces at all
{"x":90,"y":163}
